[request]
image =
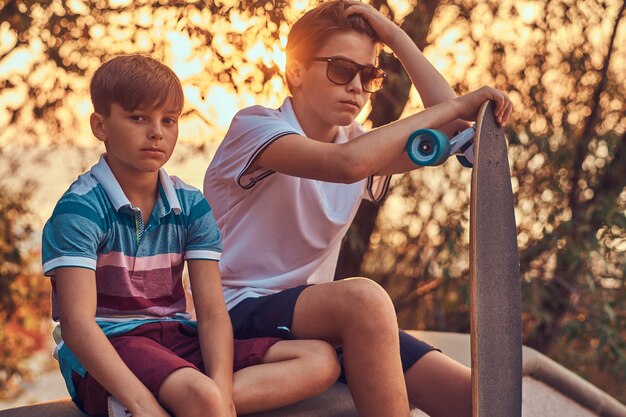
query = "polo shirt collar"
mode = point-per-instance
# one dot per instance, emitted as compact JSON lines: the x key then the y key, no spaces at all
{"x":290,"y":116}
{"x":166,"y":201}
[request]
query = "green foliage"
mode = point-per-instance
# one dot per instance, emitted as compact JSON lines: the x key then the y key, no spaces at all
{"x":561,"y":65}
{"x":24,"y":294}
{"x":53,"y":47}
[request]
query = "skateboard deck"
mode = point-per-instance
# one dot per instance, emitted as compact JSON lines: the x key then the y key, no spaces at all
{"x":495,"y":288}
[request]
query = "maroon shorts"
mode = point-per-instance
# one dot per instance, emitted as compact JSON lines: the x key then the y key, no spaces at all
{"x":153,"y":351}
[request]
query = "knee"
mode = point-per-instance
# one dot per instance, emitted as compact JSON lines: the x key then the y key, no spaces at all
{"x":368,"y":299}
{"x":203,"y":394}
{"x":323,"y":363}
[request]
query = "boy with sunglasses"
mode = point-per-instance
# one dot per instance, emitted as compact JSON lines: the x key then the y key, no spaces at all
{"x":285,"y":185}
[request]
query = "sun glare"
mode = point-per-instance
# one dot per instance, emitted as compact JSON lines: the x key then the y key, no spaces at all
{"x":119,"y":3}
{"x":257,"y":51}
{"x":21,"y":60}
{"x":182,"y":59}
{"x":8,"y":39}
{"x":78,"y":7}
{"x":241,"y":23}
{"x":529,"y":11}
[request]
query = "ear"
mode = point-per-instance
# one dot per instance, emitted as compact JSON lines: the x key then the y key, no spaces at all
{"x":294,"y":71}
{"x":96,"y":120}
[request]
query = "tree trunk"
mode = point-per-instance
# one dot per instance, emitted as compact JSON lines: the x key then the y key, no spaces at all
{"x":387,"y":106}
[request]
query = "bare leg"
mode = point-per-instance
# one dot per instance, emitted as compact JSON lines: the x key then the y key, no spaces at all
{"x":358,"y":314}
{"x":440,"y":386}
{"x":190,"y":393}
{"x":292,"y":370}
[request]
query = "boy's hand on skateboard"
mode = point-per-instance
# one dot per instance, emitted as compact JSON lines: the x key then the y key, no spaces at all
{"x":385,"y":29}
{"x":470,"y":104}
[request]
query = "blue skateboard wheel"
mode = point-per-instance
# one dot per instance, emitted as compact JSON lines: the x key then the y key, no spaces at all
{"x":428,"y":147}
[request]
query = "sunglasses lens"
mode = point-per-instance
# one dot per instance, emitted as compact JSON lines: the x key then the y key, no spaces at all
{"x":372,"y":79}
{"x":341,"y":72}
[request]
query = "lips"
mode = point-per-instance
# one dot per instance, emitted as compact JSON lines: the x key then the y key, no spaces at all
{"x":351,"y":103}
{"x":153,"y":151}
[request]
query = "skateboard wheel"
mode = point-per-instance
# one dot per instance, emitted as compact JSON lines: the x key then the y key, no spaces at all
{"x":464,"y":161}
{"x":428,"y":147}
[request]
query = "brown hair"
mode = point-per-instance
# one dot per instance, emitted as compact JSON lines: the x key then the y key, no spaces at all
{"x":311,"y":32}
{"x":135,"y":81}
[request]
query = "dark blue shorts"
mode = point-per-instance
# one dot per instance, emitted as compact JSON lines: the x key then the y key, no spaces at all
{"x":272,"y":315}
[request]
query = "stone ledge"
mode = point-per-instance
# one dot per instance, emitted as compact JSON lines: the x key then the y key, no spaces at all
{"x":565,"y":389}
{"x":336,"y":402}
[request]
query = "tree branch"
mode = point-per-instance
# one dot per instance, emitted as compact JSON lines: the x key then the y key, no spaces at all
{"x":592,"y":120}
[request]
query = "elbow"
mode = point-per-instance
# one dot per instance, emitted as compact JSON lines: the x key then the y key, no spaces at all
{"x":353,"y":170}
{"x":72,"y":331}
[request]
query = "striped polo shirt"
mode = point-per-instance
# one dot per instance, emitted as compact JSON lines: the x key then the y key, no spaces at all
{"x":138,"y":263}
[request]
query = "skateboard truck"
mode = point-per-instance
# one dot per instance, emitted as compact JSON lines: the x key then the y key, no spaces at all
{"x":430,"y":147}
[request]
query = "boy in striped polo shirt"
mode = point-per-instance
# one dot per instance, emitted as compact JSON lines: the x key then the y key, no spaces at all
{"x":115,"y":248}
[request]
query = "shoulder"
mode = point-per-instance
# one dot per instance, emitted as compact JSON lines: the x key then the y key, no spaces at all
{"x":84,"y":188}
{"x":85,"y":197}
{"x":181,"y":185}
{"x":257,"y":111}
{"x":189,"y":197}
{"x":256,"y":117}
{"x":186,"y":193}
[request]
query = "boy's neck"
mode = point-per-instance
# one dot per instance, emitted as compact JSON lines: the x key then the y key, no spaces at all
{"x":141,"y":188}
{"x":311,"y":125}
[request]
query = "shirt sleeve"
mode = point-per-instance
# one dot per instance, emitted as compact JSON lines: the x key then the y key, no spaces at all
{"x":71,"y":236}
{"x":377,"y":186}
{"x":203,"y":235}
{"x":251,"y":131}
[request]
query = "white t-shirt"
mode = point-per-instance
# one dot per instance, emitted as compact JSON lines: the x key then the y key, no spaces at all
{"x":278,"y":231}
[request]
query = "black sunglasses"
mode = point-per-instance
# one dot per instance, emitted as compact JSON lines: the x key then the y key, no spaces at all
{"x":341,"y":71}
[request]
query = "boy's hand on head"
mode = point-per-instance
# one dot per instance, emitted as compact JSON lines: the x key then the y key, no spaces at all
{"x":470,"y":104}
{"x":384,"y":28}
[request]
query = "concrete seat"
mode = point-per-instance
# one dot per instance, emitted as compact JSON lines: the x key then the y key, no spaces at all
{"x":336,"y":402}
{"x":548,"y":390}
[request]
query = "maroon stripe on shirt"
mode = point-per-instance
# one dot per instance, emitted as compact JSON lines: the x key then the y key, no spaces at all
{"x":145,"y":289}
{"x":113,"y":280}
{"x":138,"y":304}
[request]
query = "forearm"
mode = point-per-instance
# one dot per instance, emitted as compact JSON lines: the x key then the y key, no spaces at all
{"x":94,"y":351}
{"x":216,"y":341}
{"x":376,"y":151}
{"x":430,"y":84}
{"x":214,"y":326}
{"x":379,"y":151}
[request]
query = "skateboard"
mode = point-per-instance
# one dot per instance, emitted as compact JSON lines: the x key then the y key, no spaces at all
{"x":430,"y":147}
{"x":495,"y":288}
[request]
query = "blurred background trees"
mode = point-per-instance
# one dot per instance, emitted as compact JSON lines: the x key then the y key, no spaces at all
{"x":24,"y":296}
{"x":562,"y":62}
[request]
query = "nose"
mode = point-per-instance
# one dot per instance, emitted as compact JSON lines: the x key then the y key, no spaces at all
{"x":355,"y":86}
{"x":156,"y":133}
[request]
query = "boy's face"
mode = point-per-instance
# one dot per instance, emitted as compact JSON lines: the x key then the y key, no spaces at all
{"x":139,"y":140}
{"x":332,"y":104}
